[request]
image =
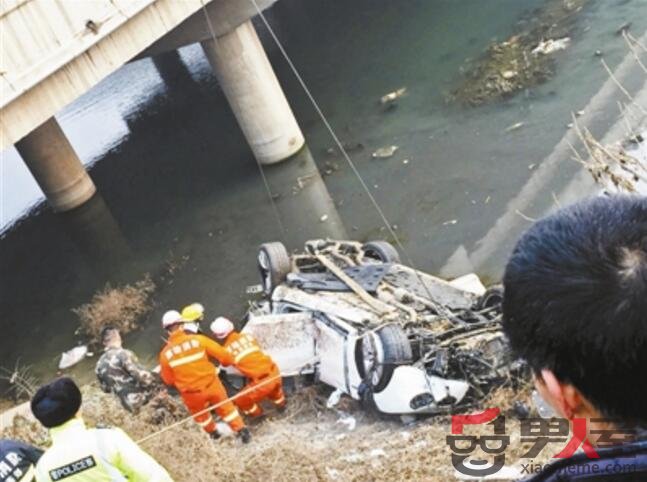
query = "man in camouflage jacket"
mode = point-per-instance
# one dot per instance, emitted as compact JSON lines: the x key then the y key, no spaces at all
{"x":119,"y":372}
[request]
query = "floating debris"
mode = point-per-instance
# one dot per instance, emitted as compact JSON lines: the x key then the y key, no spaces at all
{"x":514,"y":127}
{"x":384,"y":152}
{"x":72,"y":357}
{"x":393,"y":96}
{"x":330,"y":168}
{"x":352,"y":146}
{"x":521,"y":61}
{"x":450,"y":222}
{"x":121,"y":307}
{"x":323,"y":218}
{"x":547,"y":47}
{"x":405,"y":161}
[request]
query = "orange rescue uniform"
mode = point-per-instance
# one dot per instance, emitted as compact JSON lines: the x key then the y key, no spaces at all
{"x":184,"y":363}
{"x":258,"y":367}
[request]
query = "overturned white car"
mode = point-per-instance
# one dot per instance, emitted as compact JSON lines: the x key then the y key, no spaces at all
{"x":400,"y":340}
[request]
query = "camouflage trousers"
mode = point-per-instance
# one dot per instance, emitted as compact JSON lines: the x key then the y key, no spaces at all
{"x":133,"y":399}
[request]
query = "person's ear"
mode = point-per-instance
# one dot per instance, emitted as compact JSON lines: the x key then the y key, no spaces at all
{"x":565,"y":398}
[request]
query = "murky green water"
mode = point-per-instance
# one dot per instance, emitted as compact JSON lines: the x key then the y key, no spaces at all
{"x":182,"y":193}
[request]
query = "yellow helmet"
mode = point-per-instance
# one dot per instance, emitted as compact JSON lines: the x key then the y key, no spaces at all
{"x":192,"y":312}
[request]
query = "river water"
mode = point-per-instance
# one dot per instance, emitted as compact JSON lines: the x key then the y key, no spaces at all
{"x":182,"y":198}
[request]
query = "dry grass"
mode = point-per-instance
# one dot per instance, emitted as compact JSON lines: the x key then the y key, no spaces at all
{"x":120,"y":307}
{"x":611,"y":166}
{"x":307,"y":442}
{"x":27,"y":430}
{"x":21,"y":381}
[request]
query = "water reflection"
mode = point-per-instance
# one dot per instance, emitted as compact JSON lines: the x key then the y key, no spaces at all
{"x":304,"y":204}
{"x":173,"y":72}
{"x":96,"y":234}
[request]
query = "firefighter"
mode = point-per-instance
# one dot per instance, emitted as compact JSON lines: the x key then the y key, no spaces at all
{"x":184,"y":363}
{"x":264,"y":378}
{"x":79,"y":454}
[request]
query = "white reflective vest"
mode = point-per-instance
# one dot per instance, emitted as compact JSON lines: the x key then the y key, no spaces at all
{"x":79,"y":454}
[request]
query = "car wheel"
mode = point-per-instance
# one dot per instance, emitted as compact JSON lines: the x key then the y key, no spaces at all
{"x":379,"y":353}
{"x":492,"y":298}
{"x":381,"y":251}
{"x":274,"y":264}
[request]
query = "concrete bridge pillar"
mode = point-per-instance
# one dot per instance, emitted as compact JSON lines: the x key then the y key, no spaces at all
{"x":245,"y":75}
{"x":55,"y":166}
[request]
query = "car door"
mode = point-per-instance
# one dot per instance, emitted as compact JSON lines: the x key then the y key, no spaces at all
{"x":332,"y":350}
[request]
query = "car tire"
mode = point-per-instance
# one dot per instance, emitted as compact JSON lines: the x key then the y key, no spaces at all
{"x":493,"y":297}
{"x":382,"y":251}
{"x":274,"y":264}
{"x":379,"y":353}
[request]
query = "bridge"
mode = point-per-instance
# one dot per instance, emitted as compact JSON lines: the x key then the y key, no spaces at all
{"x":54,"y":51}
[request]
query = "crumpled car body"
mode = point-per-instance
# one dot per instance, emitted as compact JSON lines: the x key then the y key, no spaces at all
{"x":400,"y":340}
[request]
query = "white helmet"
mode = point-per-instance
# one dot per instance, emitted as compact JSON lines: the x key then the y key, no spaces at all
{"x":171,"y":317}
{"x":221,"y":327}
{"x":191,"y":327}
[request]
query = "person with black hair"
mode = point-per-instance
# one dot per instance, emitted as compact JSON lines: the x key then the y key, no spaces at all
{"x":119,"y":372}
{"x":17,"y":461}
{"x":79,"y":454}
{"x":575,"y":307}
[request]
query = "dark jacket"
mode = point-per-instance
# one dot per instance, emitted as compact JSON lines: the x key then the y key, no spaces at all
{"x":17,"y":461}
{"x":622,"y":463}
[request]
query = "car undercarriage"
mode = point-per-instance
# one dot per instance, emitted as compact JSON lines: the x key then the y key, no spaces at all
{"x":396,"y":338}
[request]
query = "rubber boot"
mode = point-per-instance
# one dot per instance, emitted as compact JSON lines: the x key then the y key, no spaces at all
{"x":245,"y":435}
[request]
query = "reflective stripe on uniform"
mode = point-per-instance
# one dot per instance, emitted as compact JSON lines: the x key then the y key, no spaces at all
{"x":246,"y":352}
{"x":233,"y":415}
{"x":206,"y":422}
{"x":251,"y":410}
{"x":29,"y":475}
{"x":186,"y":359}
{"x":279,"y":401}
